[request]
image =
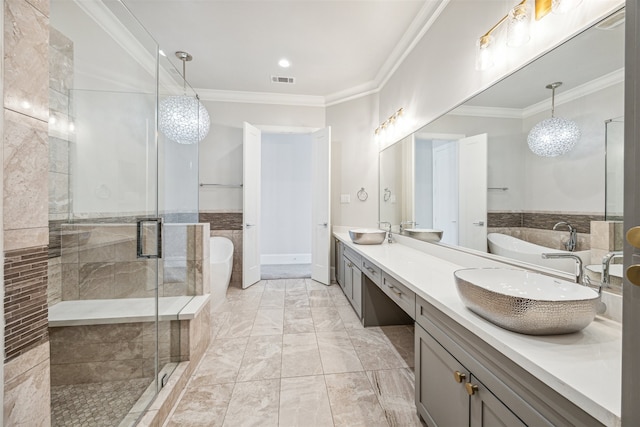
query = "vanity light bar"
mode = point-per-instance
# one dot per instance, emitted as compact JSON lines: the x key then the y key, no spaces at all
{"x":390,"y":121}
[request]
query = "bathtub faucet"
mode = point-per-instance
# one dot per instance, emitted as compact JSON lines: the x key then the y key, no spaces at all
{"x":573,"y":236}
{"x":579,"y":265}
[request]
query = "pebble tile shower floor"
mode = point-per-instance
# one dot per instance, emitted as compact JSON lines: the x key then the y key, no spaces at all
{"x":94,"y":405}
{"x":292,"y":352}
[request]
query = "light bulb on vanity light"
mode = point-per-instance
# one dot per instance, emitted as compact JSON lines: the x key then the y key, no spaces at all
{"x":518,"y":25}
{"x":484,"y":52}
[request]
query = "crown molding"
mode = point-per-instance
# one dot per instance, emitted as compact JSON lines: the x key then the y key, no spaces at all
{"x":577,"y":92}
{"x":608,"y":80}
{"x":110,"y":23}
{"x":423,"y":21}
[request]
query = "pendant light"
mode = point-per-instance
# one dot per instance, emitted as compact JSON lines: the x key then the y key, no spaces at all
{"x":555,"y":136}
{"x":183,"y":119}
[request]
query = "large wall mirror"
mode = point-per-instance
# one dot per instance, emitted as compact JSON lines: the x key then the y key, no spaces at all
{"x":471,"y":173}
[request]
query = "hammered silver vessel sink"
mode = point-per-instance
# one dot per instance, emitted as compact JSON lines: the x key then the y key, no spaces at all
{"x":367,"y":236}
{"x":424,"y":234}
{"x":526,"y":302}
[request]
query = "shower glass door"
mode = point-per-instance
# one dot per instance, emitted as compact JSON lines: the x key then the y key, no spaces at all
{"x":121,"y":343}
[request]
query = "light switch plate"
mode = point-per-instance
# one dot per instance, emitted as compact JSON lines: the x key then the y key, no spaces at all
{"x":345,"y":198}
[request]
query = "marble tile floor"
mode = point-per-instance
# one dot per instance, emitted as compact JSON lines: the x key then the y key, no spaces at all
{"x":292,"y":352}
{"x":284,"y":271}
{"x":95,"y":404}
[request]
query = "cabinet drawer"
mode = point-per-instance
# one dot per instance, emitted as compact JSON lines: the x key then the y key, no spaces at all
{"x":400,"y":294}
{"x":372,"y":271}
{"x":353,"y":256}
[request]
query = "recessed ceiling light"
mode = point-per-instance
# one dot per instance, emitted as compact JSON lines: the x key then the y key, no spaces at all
{"x":284,"y":63}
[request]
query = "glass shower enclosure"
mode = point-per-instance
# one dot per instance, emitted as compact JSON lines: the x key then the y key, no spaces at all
{"x":122,"y":197}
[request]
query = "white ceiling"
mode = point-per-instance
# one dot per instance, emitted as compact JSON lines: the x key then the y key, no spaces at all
{"x":336,"y":48}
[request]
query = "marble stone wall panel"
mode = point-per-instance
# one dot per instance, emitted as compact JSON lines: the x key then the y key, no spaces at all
{"x":199,"y":334}
{"x":222,"y":220}
{"x":55,"y":238}
{"x":26,"y":165}
{"x":19,"y":238}
{"x":54,"y":287}
{"x":41,"y":5}
{"x":95,"y":280}
{"x":58,"y":155}
{"x":607,"y":235}
{"x":59,"y":198}
{"x":26,"y":59}
{"x":81,"y":352}
{"x":27,"y":386}
{"x":128,"y":332}
{"x":70,"y":279}
{"x":92,"y":372}
{"x":25,"y":301}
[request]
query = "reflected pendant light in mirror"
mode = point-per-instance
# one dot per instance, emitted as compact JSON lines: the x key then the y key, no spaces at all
{"x":183,"y":119}
{"x":555,"y":136}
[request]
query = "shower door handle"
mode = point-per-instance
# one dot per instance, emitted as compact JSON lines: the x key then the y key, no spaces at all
{"x":144,"y":237}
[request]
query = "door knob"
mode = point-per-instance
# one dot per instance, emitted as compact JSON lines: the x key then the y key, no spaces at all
{"x":479,"y":223}
{"x":324,"y":224}
{"x":250,"y":225}
{"x":471,"y":388}
{"x":633,"y":237}
{"x":633,"y":274}
{"x":459,"y":376}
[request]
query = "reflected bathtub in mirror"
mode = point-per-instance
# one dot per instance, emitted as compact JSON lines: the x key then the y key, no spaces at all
{"x":514,"y":248}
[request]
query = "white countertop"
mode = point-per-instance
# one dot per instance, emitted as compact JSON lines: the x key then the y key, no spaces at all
{"x":585,"y":366}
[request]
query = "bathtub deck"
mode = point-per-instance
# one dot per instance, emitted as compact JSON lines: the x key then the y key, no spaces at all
{"x":128,"y":310}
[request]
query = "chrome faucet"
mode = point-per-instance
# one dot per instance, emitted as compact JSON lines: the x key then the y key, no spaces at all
{"x":606,"y":263}
{"x":573,"y":236}
{"x":403,"y":223}
{"x":389,"y":239}
{"x":578,"y":260}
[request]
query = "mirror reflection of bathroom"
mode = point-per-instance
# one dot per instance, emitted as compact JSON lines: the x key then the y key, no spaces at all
{"x":570,"y":203}
{"x":286,"y":195}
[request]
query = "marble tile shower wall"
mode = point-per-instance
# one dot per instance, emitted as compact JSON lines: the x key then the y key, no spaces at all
{"x":99,"y":261}
{"x":25,"y":208}
{"x":60,"y":140}
{"x":103,"y":353}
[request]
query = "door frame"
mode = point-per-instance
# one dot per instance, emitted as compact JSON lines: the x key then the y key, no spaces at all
{"x":300,"y":130}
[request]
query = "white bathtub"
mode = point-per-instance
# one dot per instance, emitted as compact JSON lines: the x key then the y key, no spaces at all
{"x":221,"y":260}
{"x":512,"y":247}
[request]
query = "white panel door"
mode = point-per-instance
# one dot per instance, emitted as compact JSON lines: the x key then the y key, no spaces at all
{"x":472,"y":181}
{"x":320,"y":205}
{"x":445,"y":190}
{"x":251,"y":157}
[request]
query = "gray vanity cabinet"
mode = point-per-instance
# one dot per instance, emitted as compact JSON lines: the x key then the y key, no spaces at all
{"x":461,"y":380}
{"x":352,"y":286}
{"x":447,"y":394}
{"x":339,"y":266}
